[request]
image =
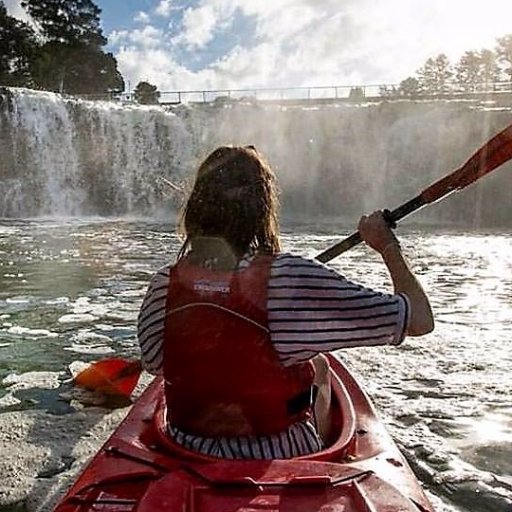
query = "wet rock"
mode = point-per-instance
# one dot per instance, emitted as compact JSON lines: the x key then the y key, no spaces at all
{"x":42,"y":453}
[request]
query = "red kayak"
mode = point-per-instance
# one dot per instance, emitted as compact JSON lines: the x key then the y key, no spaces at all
{"x":141,"y":469}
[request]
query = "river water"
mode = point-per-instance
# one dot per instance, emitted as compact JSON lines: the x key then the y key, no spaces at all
{"x":70,"y":291}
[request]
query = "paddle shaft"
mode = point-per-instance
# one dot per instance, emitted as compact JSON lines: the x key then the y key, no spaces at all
{"x":355,"y":238}
{"x":490,"y":156}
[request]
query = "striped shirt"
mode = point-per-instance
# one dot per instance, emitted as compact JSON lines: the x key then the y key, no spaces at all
{"x":311,"y":309}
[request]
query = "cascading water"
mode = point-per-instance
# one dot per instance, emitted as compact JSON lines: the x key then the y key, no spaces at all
{"x":49,"y":166}
{"x":70,"y":157}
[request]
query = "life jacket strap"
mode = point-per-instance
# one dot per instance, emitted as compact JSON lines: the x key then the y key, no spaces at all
{"x":301,"y":402}
{"x":222,"y":308}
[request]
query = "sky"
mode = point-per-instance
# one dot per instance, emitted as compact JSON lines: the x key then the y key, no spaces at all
{"x":236,"y":44}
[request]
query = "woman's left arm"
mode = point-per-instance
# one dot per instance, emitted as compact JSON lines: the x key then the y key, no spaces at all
{"x":150,"y":322}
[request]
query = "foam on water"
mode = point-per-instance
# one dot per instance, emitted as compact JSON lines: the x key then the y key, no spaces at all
{"x":26,"y":331}
{"x":41,"y":380}
{"x":90,"y":349}
{"x":77,"y":318}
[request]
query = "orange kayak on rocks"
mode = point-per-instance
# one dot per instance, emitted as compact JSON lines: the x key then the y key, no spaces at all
{"x":141,"y":469}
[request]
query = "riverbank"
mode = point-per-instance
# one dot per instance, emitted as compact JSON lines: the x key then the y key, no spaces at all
{"x":42,"y":453}
{"x":44,"y":450}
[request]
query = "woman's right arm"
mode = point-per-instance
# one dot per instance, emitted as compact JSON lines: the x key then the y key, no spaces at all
{"x":375,"y":231}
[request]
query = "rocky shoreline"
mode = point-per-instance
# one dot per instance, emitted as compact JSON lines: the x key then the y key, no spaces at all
{"x":43,"y":450}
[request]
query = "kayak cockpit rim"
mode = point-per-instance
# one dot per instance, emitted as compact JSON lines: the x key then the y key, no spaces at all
{"x":341,"y":439}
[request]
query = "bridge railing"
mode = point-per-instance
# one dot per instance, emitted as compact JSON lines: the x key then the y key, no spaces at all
{"x":270,"y":93}
{"x":314,"y":93}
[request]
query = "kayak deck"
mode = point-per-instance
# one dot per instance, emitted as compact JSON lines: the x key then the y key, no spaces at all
{"x":142,"y":469}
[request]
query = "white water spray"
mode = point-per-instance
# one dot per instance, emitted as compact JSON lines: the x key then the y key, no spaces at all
{"x":70,"y":157}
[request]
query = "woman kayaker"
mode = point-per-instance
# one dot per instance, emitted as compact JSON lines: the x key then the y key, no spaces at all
{"x":238,"y":328}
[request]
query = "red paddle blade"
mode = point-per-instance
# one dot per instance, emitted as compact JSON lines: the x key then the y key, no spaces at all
{"x":115,"y":376}
{"x":490,"y":156}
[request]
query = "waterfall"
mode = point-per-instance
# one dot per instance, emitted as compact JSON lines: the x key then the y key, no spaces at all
{"x":63,"y":156}
{"x":71,"y":157}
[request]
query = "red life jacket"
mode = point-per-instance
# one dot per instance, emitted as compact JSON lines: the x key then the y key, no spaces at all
{"x":222,"y":374}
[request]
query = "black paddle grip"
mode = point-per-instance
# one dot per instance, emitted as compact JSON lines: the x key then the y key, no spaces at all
{"x":388,"y":217}
{"x":391,"y":217}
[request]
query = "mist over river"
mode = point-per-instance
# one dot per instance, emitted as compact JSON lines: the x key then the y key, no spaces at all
{"x":71,"y":157}
{"x":86,"y":218}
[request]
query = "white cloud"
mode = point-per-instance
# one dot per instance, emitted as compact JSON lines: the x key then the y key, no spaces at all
{"x":198,"y":27}
{"x":364,"y":41}
{"x":247,"y":67}
{"x":146,"y":37}
{"x":141,"y":17}
{"x":158,"y":67}
{"x":164,"y":8}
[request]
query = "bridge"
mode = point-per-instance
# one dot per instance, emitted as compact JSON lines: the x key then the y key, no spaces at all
{"x":318,"y":94}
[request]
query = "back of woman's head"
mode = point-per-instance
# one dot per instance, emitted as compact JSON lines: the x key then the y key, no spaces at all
{"x":234,"y":198}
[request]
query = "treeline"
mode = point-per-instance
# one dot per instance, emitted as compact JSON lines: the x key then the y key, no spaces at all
{"x":476,"y":71}
{"x":61,"y":51}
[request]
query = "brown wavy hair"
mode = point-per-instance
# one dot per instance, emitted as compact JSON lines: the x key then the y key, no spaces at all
{"x":235,"y":199}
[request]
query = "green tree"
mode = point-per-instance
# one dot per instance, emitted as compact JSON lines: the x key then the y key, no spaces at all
{"x":388,"y":91}
{"x":67,"y":21}
{"x":468,"y":72}
{"x":146,"y":93}
{"x":76,"y":69}
{"x":477,"y":71}
{"x":17,"y":47}
{"x":504,"y":52}
{"x":409,"y":87}
{"x":434,"y":77}
{"x":490,"y":68}
{"x":70,"y":57}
